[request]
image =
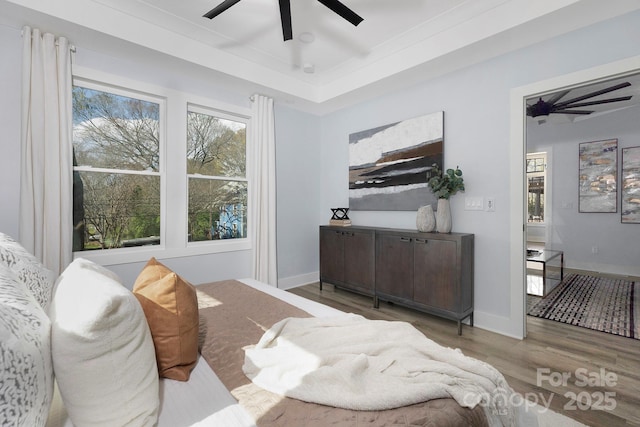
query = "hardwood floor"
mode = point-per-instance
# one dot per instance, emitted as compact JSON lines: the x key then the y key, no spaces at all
{"x":610,"y":365}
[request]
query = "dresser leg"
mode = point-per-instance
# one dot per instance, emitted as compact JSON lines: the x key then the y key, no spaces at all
{"x":459,"y":327}
{"x":321,"y":286}
{"x":376,"y":302}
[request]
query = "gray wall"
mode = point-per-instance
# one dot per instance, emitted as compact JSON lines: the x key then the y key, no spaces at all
{"x":298,"y":176}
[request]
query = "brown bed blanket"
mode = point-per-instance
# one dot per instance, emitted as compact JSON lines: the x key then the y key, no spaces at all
{"x":234,"y":315}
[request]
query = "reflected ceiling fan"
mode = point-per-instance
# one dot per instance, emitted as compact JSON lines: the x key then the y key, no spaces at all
{"x":553,"y":106}
{"x":285,"y":13}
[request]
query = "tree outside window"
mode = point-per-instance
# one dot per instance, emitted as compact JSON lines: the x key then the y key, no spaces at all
{"x":116,"y":148}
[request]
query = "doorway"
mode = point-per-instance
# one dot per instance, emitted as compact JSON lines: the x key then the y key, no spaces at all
{"x":518,"y":204}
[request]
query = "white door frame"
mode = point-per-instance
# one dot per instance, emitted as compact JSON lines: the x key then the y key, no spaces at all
{"x":517,"y":158}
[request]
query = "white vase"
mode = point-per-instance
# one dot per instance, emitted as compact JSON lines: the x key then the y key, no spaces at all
{"x":425,"y":219}
{"x":443,"y":216}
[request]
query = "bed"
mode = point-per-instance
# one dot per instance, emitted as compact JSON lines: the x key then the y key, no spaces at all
{"x":228,"y":310}
{"x":232,"y":315}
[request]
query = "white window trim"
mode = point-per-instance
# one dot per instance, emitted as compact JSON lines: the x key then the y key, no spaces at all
{"x":174,"y":185}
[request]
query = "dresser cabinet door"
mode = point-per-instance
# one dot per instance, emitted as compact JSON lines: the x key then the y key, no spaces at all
{"x":359,"y":248}
{"x":331,"y":255}
{"x":435,"y":273}
{"x":394,"y":265}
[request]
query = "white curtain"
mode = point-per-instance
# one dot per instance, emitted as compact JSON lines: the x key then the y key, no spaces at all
{"x":263,"y":190}
{"x":46,"y":184}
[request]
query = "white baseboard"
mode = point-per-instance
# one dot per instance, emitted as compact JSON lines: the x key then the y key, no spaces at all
{"x":624,"y":270}
{"x":295,"y":281}
{"x":497,"y":324}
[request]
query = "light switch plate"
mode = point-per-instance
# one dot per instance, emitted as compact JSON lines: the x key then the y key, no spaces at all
{"x":473,"y":203}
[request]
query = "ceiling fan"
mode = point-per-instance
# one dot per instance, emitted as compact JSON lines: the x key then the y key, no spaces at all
{"x":285,"y":13}
{"x":553,"y":106}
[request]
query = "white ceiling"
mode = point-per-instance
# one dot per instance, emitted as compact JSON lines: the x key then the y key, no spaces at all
{"x":398,"y":43}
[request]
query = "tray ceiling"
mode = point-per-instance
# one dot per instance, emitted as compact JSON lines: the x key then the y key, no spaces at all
{"x":399,"y":42}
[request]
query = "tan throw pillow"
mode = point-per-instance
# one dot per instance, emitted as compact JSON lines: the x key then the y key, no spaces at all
{"x":171,"y":307}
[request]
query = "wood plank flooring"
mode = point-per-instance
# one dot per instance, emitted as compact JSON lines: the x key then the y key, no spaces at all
{"x":582,"y":353}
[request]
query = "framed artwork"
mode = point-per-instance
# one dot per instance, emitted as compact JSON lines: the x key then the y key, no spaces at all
{"x":389,"y":165}
{"x":630,"y":185}
{"x":597,"y":176}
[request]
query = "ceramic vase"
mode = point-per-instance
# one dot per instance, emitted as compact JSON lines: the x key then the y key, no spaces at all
{"x":443,"y":216}
{"x":425,"y":219}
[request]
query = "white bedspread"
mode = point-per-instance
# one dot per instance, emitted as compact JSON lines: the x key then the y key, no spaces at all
{"x":351,"y":362}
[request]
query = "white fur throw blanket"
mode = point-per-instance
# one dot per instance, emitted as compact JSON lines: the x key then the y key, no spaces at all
{"x":355,"y":363}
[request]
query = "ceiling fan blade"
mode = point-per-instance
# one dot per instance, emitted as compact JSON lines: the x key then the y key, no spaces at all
{"x":602,"y":101}
{"x":285,"y":17}
{"x":592,"y":94}
{"x":226,"y":4}
{"x":555,"y":98}
{"x":343,"y":11}
{"x":571,"y":112}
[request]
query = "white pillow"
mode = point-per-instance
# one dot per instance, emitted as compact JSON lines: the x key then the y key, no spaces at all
{"x":103,"y":354}
{"x":26,"y":374}
{"x":28,"y":269}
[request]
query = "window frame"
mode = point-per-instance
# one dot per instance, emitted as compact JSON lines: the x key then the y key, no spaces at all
{"x":173,"y":170}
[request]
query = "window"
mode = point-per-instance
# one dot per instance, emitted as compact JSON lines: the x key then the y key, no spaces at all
{"x":117,"y":167}
{"x":536,"y":177}
{"x":216,"y":170}
{"x":157,"y":171}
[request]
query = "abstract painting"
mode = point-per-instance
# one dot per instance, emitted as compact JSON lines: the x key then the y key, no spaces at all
{"x":389,"y":165}
{"x":598,"y":172}
{"x":631,"y":185}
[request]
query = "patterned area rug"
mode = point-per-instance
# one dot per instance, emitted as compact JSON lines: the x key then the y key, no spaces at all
{"x":600,"y":303}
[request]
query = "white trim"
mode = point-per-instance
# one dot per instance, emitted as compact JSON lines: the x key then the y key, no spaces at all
{"x":143,"y":253}
{"x":493,"y":323}
{"x":606,"y":268}
{"x":516,"y":159}
{"x":296,"y":281}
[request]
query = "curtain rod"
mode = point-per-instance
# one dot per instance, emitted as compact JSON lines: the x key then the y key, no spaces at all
{"x":72,"y":47}
{"x":252,"y":97}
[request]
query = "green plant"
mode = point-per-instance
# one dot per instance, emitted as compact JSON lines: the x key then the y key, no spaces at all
{"x":445,"y":184}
